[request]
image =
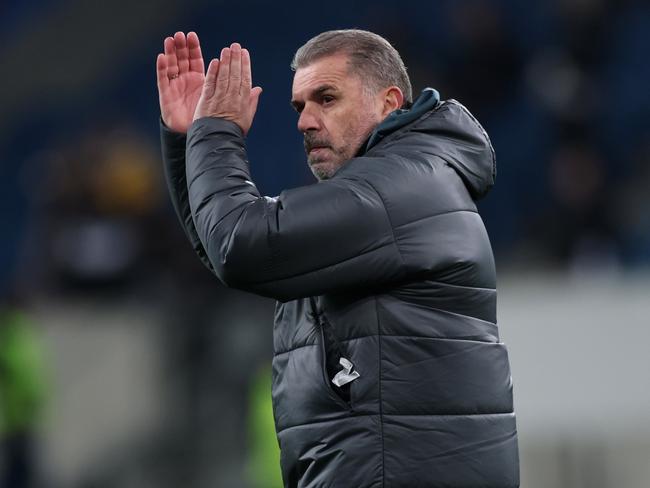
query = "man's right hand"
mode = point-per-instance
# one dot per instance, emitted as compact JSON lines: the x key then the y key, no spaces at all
{"x":180,"y":73}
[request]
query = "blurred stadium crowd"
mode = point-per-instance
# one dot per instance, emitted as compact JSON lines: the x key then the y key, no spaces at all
{"x":561,"y":87}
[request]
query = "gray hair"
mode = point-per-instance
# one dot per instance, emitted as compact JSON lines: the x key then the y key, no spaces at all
{"x":372,"y":58}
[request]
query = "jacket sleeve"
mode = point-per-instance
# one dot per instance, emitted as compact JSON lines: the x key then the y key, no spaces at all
{"x":173,"y":152}
{"x":327,"y":237}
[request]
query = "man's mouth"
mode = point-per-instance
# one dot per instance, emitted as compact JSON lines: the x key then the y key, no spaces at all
{"x":314,"y":144}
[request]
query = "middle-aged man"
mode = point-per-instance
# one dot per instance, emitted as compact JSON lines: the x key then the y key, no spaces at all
{"x":387,"y":368}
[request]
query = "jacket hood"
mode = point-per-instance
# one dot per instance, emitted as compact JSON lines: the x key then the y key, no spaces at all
{"x":445,"y":129}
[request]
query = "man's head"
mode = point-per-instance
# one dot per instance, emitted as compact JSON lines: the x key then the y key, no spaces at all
{"x":346,"y":83}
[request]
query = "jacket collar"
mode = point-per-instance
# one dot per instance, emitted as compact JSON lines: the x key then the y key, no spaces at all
{"x":428,"y":100}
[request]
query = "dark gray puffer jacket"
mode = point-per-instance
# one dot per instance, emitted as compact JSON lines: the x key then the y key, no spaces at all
{"x":401,"y":270}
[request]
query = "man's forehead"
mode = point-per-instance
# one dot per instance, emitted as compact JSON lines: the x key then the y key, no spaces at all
{"x":331,"y":71}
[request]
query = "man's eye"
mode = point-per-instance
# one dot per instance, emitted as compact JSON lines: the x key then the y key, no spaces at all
{"x":327,"y":99}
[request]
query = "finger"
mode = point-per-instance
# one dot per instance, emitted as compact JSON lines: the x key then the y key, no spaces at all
{"x":234,"y":84}
{"x":210,"y":83}
{"x":182,"y":53}
{"x":224,"y":71}
{"x":161,"y":72}
{"x":246,"y":77}
{"x":194,"y":49}
{"x":254,"y":99}
{"x":170,"y":58}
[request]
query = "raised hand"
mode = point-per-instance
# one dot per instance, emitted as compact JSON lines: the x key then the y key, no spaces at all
{"x":228,"y":92}
{"x":180,"y":75}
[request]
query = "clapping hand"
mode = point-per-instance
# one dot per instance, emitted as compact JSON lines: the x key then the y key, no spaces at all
{"x":187,"y":94}
{"x":228,"y":91}
{"x":180,"y":74}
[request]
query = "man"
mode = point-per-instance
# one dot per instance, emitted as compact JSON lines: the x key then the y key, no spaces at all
{"x":388,"y":370}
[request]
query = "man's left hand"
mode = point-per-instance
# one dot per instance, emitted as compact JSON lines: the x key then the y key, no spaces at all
{"x":227,"y":91}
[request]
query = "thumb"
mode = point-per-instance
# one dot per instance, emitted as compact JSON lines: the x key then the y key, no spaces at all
{"x":206,"y":99}
{"x":253,"y":100}
{"x":210,"y":81}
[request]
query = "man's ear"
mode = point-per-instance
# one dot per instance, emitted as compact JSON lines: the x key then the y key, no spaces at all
{"x":392,"y":100}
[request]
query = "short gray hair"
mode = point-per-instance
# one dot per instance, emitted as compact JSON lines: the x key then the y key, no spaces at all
{"x":371,"y":56}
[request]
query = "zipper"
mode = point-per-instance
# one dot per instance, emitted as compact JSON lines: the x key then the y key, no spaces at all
{"x":345,"y":404}
{"x":323,"y":323}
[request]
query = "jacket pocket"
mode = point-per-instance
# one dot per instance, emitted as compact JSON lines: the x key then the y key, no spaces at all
{"x":329,"y":367}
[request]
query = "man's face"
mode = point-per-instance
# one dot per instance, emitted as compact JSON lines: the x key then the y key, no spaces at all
{"x":336,"y":114}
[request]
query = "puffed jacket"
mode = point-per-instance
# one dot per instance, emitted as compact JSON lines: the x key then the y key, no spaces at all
{"x":388,"y":370}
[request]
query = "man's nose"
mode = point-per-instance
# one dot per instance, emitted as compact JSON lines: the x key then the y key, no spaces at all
{"x":308,"y":120}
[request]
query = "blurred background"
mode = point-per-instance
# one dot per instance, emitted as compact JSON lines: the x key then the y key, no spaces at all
{"x":124,"y":363}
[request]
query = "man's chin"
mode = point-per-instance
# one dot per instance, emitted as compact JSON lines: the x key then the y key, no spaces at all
{"x":322,"y":170}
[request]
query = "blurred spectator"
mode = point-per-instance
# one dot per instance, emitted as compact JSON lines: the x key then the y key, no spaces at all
{"x":485,"y":62}
{"x":22,"y":397}
{"x":264,"y":451}
{"x":578,"y":232}
{"x":103,"y":208}
{"x":631,"y":211}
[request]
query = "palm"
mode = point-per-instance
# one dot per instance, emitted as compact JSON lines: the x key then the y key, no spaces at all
{"x":180,"y":73}
{"x":178,"y":101}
